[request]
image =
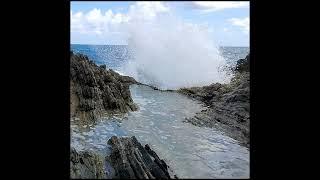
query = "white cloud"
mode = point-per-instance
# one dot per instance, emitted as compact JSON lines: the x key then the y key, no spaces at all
{"x":99,"y":23}
{"x":243,"y":23}
{"x":209,"y":6}
{"x":96,"y":22}
{"x":147,"y":10}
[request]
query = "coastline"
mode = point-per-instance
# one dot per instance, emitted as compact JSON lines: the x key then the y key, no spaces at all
{"x":228,"y":104}
{"x":96,"y":90}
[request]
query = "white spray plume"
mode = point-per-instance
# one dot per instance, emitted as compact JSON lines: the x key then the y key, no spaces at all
{"x":168,"y":52}
{"x":171,"y":54}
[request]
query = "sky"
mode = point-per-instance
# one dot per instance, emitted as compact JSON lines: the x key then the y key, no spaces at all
{"x":102,"y":22}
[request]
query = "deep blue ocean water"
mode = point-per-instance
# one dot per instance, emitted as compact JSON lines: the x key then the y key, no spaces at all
{"x":114,"y":56}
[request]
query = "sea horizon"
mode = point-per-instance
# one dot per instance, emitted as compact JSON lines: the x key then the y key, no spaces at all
{"x":127,"y":45}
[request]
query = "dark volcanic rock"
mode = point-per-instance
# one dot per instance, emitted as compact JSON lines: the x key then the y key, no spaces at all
{"x":131,"y":160}
{"x":228,"y":104}
{"x":86,"y":165}
{"x":95,"y":90}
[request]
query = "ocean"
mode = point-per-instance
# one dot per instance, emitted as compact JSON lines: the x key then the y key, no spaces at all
{"x":115,"y":56}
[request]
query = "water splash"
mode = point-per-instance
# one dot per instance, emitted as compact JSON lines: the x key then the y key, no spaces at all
{"x":170,"y":53}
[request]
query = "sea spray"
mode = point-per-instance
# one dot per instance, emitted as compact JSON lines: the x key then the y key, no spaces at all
{"x":169,"y":53}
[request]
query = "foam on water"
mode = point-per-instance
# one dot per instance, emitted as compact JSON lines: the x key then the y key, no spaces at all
{"x":191,"y":151}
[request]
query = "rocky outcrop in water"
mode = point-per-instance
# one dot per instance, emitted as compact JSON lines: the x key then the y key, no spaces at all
{"x":228,"y":104}
{"x":86,"y":165}
{"x":128,"y":160}
{"x":243,"y":65}
{"x":96,"y":91}
{"x":133,"y":161}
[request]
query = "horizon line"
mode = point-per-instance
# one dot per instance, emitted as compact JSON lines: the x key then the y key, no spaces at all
{"x":127,"y":45}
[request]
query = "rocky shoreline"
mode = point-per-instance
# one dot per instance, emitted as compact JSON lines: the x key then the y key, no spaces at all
{"x":97,"y":91}
{"x":128,"y":160}
{"x":228,"y":104}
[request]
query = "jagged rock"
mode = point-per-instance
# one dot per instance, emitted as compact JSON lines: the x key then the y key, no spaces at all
{"x":243,"y":65}
{"x":205,"y":93}
{"x":95,"y":90}
{"x":228,"y":104}
{"x":103,"y":66}
{"x":131,"y":160}
{"x":86,"y":165}
{"x":156,"y":88}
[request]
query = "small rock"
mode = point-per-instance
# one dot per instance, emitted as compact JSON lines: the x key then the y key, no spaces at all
{"x":103,"y":66}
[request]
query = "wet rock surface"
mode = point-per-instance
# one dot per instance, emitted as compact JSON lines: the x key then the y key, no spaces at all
{"x":131,"y":160}
{"x":228,"y":104}
{"x":96,"y":91}
{"x":86,"y":165}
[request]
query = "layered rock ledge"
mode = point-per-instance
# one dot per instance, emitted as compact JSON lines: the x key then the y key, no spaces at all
{"x":128,"y":160}
{"x":228,"y":104}
{"x":96,"y":91}
{"x":133,"y":161}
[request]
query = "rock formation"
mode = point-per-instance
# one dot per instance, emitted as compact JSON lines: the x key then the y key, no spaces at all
{"x":133,"y":161}
{"x":243,"y":65}
{"x":95,"y":91}
{"x":228,"y":104}
{"x":86,"y":165}
{"x":128,"y":160}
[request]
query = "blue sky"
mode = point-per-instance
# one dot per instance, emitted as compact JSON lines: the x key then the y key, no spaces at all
{"x":228,"y":22}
